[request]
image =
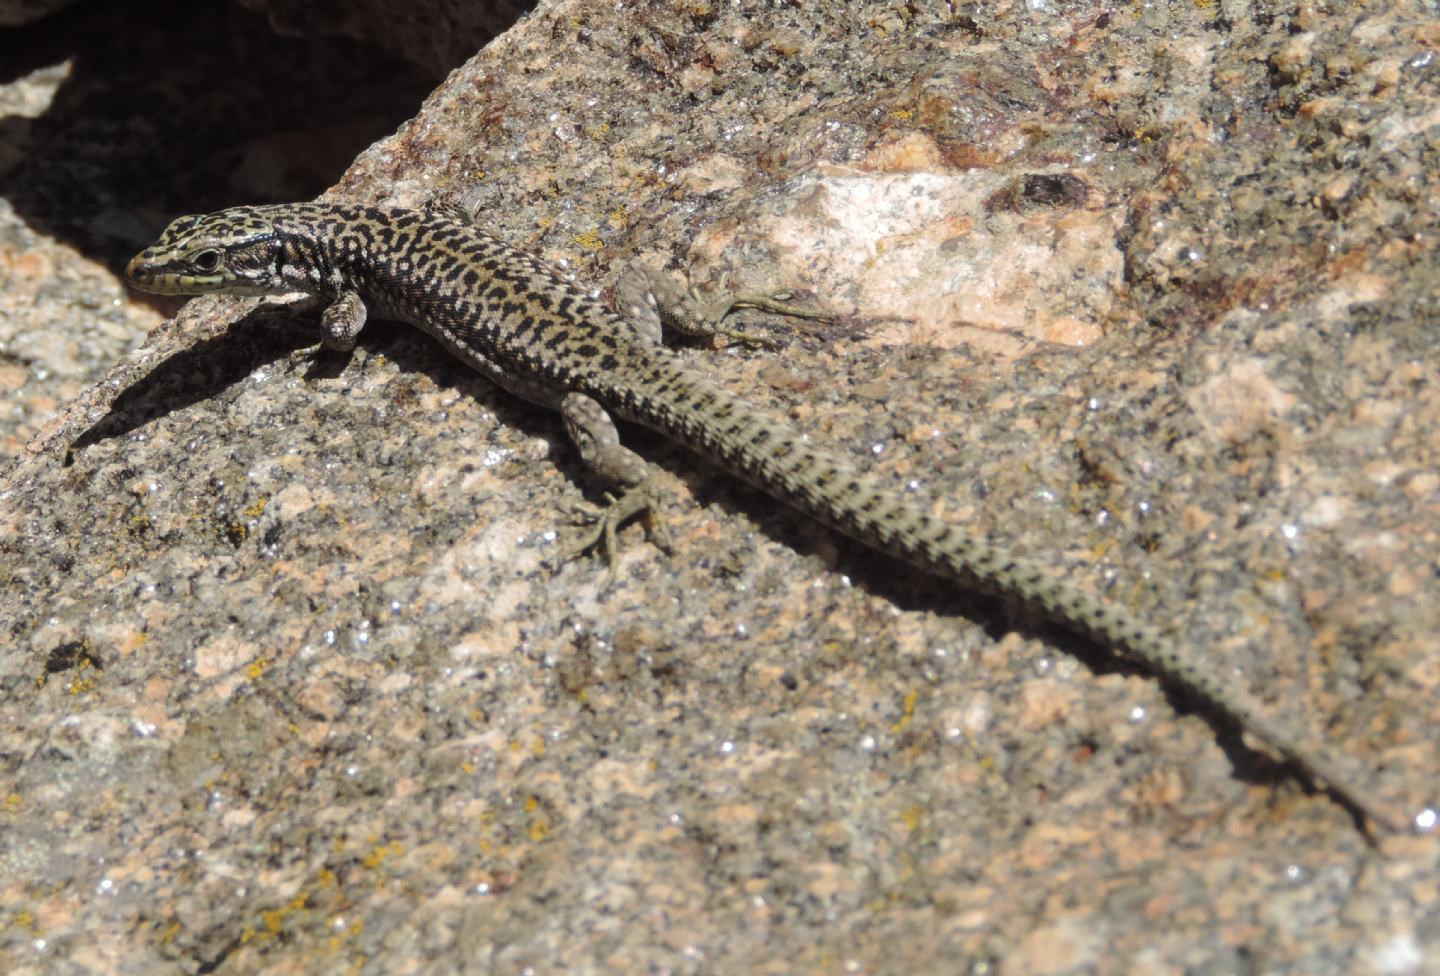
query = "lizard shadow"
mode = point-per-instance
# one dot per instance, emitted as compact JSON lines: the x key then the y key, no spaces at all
{"x":914,"y":590}
{"x":911,"y":589}
{"x":905,"y":586}
{"x":205,"y":369}
{"x":276,"y":333}
{"x":270,"y":334}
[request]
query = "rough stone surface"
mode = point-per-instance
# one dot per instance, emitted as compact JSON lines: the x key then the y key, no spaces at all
{"x":1148,"y":292}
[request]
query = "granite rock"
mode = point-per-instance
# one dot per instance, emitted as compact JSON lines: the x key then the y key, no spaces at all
{"x":1148,"y":293}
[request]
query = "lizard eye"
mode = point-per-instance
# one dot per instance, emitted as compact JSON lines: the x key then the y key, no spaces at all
{"x":207,"y":260}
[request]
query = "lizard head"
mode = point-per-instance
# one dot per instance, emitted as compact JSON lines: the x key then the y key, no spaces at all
{"x":234,"y":252}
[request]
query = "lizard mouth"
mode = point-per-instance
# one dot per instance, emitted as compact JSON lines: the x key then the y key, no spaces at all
{"x":147,"y":277}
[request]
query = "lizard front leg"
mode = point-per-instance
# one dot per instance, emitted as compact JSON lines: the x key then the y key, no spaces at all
{"x":342,"y":320}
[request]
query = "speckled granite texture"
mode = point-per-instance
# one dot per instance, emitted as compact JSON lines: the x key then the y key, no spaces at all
{"x":287,"y":687}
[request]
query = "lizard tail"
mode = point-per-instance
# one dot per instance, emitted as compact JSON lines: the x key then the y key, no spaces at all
{"x":831,"y":489}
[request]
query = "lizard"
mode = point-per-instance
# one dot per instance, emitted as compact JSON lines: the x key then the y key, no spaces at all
{"x":523,"y":325}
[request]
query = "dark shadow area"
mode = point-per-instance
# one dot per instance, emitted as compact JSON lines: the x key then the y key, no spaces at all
{"x":165,"y":108}
{"x":276,"y":331}
{"x":200,"y":372}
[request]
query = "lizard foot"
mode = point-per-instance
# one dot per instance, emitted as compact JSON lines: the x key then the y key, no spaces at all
{"x":686,"y":311}
{"x":604,"y":522}
{"x":707,"y":316}
{"x":710,"y":315}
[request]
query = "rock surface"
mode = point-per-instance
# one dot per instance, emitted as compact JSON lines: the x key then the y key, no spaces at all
{"x":1148,"y":293}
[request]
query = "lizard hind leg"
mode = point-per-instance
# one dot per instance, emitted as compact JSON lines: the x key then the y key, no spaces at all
{"x":651,"y":301}
{"x":595,"y":436}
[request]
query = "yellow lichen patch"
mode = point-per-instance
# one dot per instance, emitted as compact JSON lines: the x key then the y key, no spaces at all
{"x":907,"y":711}
{"x":274,"y":918}
{"x":11,"y":803}
{"x":83,"y":682}
{"x":379,"y":853}
{"x":539,"y":826}
{"x":257,"y":667}
{"x":912,"y":816}
{"x":590,"y":240}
